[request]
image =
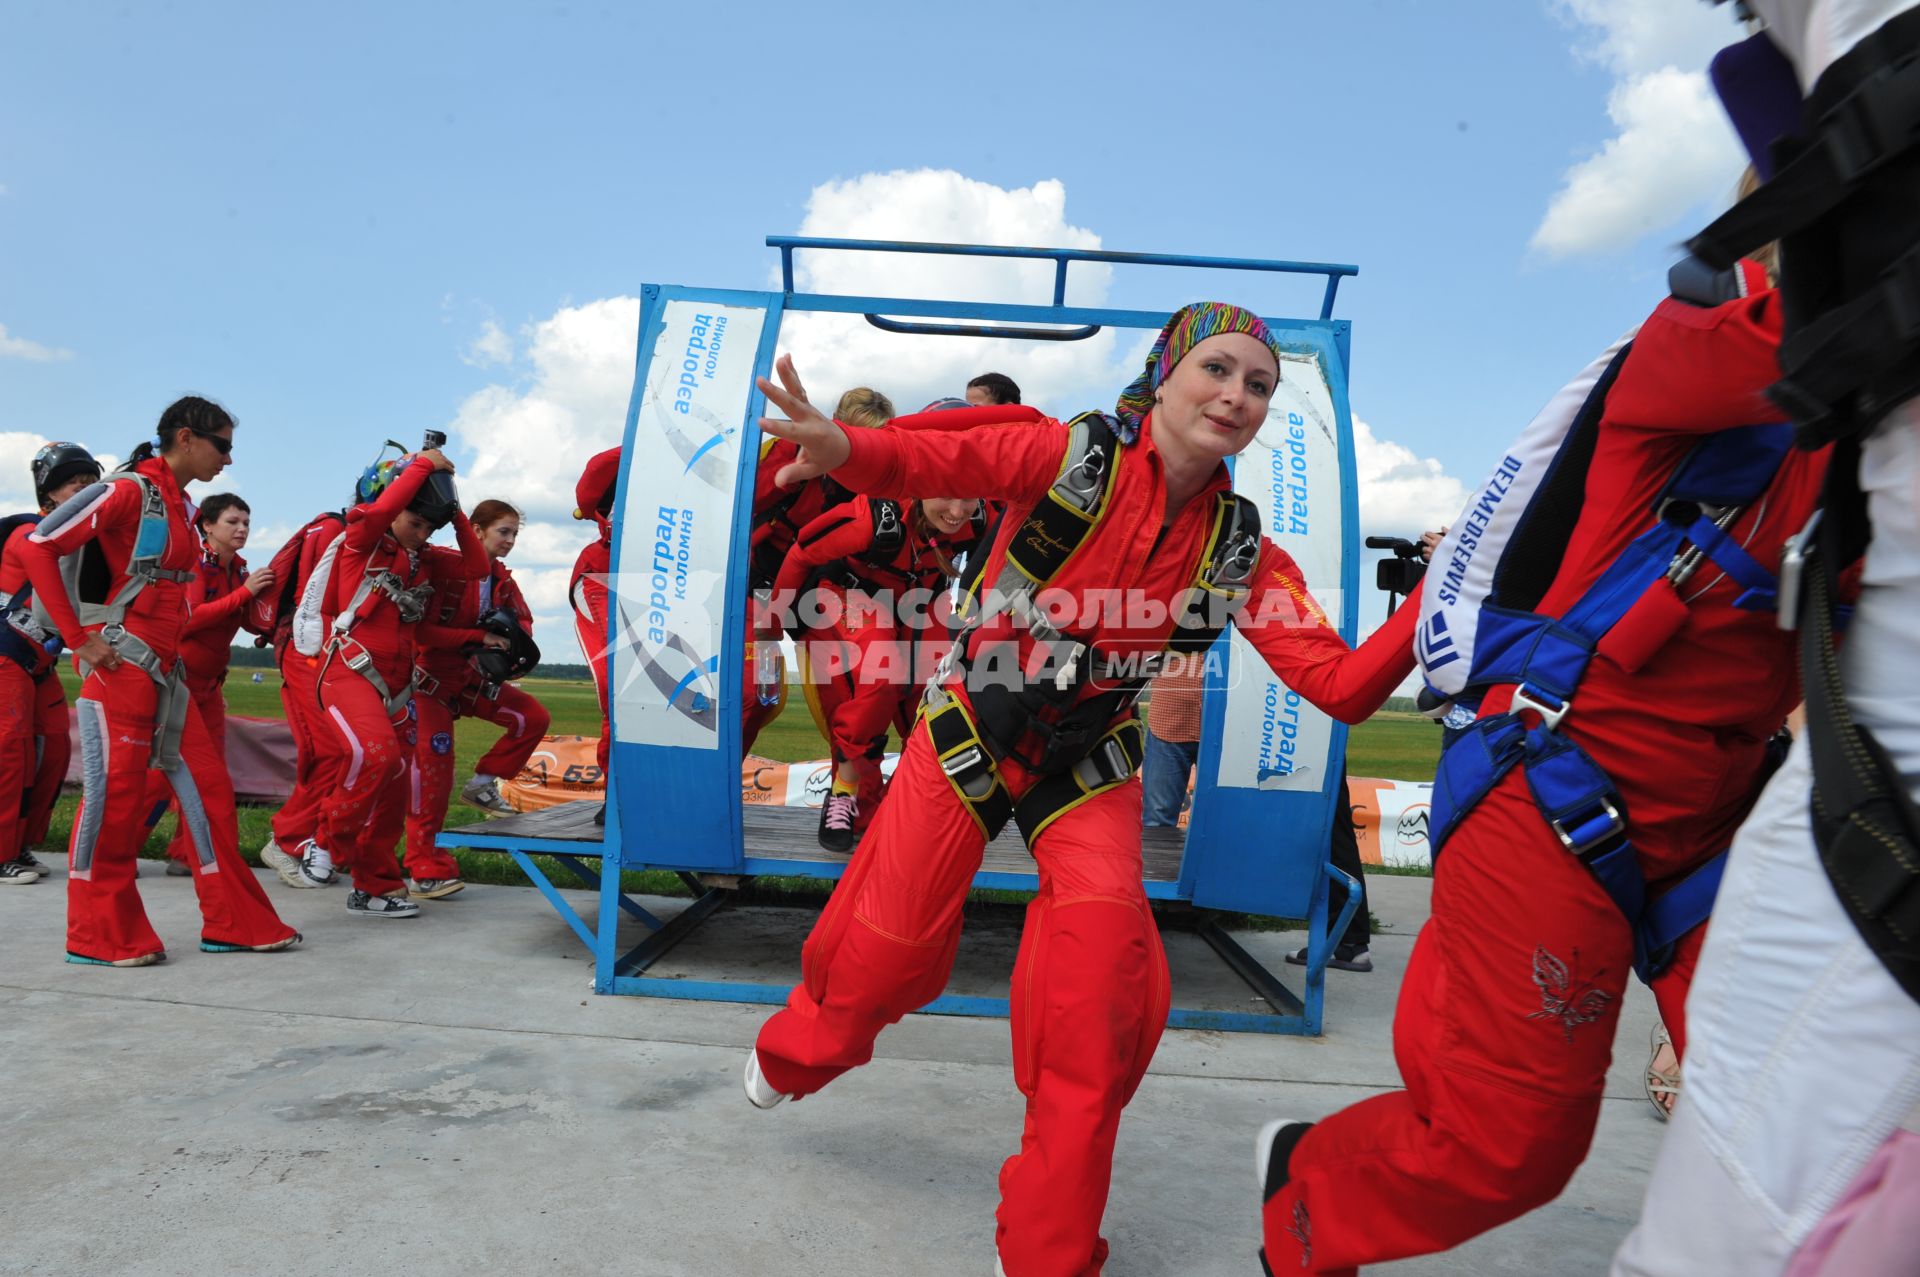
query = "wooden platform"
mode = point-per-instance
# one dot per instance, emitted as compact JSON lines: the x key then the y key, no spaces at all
{"x":778,"y":833}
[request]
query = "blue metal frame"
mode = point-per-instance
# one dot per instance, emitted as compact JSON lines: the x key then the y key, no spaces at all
{"x":618,"y":973}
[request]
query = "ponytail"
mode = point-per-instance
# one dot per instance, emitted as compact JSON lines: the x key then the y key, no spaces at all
{"x":143,"y":451}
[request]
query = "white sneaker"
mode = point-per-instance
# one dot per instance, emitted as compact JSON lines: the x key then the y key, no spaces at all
{"x":433,"y":888}
{"x":760,"y":1092}
{"x":316,"y":864}
{"x":1263,"y":1149}
{"x":366,"y":905}
{"x":484,"y":792}
{"x":281,"y":863}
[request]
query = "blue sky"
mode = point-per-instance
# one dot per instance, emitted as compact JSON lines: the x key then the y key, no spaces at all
{"x":350,"y":222}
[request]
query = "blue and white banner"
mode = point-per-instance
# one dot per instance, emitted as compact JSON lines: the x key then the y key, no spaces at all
{"x":677,"y":523}
{"x":1272,"y":738}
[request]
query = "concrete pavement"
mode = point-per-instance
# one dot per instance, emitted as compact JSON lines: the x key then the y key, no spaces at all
{"x":447,"y":1096}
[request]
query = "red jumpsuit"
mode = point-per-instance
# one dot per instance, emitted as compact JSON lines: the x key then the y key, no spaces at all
{"x":1090,"y":987}
{"x":319,"y":759}
{"x":862,"y":670}
{"x":34,"y":748}
{"x":361,"y":821}
{"x":1506,"y":1018}
{"x":587,"y":590}
{"x":105,"y":919}
{"x":449,"y":687}
{"x":219,"y":598}
{"x":778,"y":516}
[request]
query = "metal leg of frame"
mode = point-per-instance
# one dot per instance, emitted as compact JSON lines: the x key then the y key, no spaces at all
{"x":683,"y":924}
{"x":1258,"y":978}
{"x":632,"y":907}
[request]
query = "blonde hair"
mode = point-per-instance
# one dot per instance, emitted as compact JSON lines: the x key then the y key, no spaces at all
{"x":864,"y":406}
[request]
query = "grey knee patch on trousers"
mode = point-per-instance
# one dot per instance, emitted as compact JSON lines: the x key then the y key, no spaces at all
{"x":93,"y":785}
{"x":193,"y":814}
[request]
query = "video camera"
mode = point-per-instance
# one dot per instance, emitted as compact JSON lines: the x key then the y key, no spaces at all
{"x":1400,"y":575}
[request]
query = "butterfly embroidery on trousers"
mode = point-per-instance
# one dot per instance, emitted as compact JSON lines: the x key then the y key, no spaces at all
{"x":1563,"y":996}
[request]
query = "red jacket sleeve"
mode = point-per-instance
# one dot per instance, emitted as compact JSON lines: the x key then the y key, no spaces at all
{"x":209,"y":615}
{"x":366,"y":524}
{"x":475,"y":563}
{"x":1701,"y":368}
{"x":845,"y":529}
{"x":119,"y":503}
{"x":1288,"y":628}
{"x":1015,"y":462}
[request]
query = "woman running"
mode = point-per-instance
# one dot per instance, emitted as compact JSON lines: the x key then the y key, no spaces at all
{"x":1030,"y":725}
{"x":362,"y":609}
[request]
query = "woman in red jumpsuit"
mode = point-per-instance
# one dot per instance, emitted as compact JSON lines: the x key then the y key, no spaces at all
{"x":318,"y":758}
{"x":778,"y":516}
{"x":447,"y":685}
{"x":857,"y":664}
{"x":34,"y":722}
{"x":367,"y":665}
{"x":587,"y":591}
{"x":130,"y":671}
{"x":1505,"y":1023}
{"x":220,"y":593}
{"x":1090,"y":987}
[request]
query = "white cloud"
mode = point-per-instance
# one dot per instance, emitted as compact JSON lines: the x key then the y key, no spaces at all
{"x":529,"y":444}
{"x":16,"y":470}
{"x":12,"y":347}
{"x":1401,"y":492}
{"x":491,"y":347}
{"x":1673,"y":150}
{"x":835,"y":352}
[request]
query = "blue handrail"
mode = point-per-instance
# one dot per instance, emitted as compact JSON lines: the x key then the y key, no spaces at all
{"x":1062,"y":258}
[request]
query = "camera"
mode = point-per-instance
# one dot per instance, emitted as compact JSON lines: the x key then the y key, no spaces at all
{"x":1400,"y":575}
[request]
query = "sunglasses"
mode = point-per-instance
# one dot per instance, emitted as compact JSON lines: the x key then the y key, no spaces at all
{"x":221,"y":444}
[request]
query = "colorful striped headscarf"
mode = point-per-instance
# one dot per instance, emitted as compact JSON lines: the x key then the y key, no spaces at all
{"x":1189,"y":326}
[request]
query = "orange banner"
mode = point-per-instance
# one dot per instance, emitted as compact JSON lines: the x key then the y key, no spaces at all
{"x":565,"y":768}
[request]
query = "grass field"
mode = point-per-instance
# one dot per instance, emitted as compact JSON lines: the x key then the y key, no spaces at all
{"x":1393,"y":745}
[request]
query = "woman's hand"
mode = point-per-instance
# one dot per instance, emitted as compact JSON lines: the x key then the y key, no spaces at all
{"x":440,"y":459}
{"x":97,"y":654}
{"x":496,"y":642}
{"x":258,"y":583}
{"x":1429,"y":542}
{"x":823,"y":444}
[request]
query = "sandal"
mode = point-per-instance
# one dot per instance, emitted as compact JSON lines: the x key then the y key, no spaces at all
{"x":1663,"y":1083}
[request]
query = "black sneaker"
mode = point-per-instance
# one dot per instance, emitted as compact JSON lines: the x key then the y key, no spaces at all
{"x":837,"y":815}
{"x":34,"y":863}
{"x":1345,"y":958}
{"x":366,"y":905}
{"x":15,"y":874}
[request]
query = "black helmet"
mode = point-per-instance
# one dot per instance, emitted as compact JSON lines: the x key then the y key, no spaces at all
{"x":438,"y":500}
{"x":56,"y":463}
{"x":517,"y":660}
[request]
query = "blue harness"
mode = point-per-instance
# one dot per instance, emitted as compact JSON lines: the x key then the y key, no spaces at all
{"x":1545,"y":658}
